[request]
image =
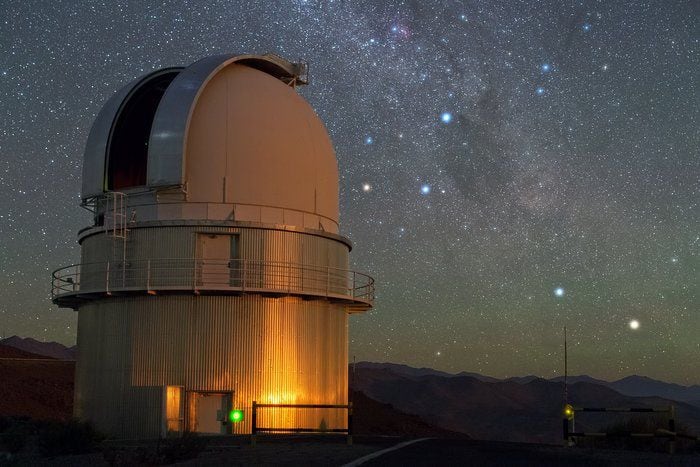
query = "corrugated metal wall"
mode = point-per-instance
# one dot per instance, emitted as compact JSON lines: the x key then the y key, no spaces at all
{"x":273,"y":350}
{"x":181,"y":242}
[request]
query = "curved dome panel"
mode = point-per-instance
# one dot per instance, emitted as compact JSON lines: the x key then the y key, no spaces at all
{"x":96,"y":148}
{"x":253,"y":141}
{"x":165,"y":162}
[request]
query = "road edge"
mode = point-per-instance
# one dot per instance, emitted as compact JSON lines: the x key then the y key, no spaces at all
{"x":374,"y":455}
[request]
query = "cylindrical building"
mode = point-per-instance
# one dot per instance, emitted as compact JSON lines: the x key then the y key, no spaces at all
{"x":214,"y":274}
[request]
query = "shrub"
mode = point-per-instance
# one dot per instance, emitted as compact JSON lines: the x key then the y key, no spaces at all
{"x":168,"y":451}
{"x":14,"y":433}
{"x":64,"y":438}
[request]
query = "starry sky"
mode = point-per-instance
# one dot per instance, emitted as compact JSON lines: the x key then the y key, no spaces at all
{"x":508,"y":168}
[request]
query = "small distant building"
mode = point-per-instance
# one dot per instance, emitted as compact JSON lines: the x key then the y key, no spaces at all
{"x":214,"y":274}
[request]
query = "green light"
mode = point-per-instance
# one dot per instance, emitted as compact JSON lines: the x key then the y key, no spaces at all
{"x":236,"y":415}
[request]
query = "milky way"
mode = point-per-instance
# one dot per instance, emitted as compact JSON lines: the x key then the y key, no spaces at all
{"x":507,"y":168}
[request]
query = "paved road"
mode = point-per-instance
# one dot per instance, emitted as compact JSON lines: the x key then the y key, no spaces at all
{"x":443,"y":452}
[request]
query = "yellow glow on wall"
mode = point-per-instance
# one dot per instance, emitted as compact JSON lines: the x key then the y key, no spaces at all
{"x":173,"y":409}
{"x":281,"y":398}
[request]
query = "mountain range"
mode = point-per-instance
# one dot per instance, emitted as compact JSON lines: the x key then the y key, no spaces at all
{"x":525,"y":411}
{"x":638,"y":386}
{"x":45,"y":349}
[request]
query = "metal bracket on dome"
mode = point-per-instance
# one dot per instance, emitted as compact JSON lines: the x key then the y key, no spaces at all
{"x":301,"y":72}
{"x":291,"y":73}
{"x":89,"y":203}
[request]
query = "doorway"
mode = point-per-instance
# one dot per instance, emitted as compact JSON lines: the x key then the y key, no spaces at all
{"x":208,"y":412}
{"x":220,"y":260}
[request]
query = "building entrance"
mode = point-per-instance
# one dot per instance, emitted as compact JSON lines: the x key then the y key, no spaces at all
{"x":208,"y":412}
{"x":220,"y":264}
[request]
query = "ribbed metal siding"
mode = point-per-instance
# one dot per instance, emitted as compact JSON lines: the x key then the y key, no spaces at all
{"x":273,"y":350}
{"x":181,"y":242}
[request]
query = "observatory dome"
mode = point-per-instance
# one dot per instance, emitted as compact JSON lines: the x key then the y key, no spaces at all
{"x":230,"y":133}
{"x":213,"y":280}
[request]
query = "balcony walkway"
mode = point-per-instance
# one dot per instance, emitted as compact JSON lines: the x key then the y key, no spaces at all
{"x":78,"y":283}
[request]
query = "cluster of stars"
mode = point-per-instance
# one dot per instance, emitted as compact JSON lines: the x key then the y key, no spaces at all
{"x":489,"y":159}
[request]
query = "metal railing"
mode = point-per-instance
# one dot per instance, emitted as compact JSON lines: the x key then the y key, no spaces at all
{"x":570,"y":433}
{"x":255,"y":429}
{"x":200,"y":275}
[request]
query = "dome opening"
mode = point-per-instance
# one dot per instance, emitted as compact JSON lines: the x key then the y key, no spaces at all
{"x":127,"y":150}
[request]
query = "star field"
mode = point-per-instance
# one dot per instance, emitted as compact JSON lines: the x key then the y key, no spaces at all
{"x":507,"y":168}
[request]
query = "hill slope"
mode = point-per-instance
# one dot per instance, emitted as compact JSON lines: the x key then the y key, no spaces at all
{"x":48,"y":349}
{"x":35,"y":386}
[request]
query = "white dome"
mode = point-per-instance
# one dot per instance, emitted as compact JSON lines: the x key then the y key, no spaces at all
{"x":253,"y":141}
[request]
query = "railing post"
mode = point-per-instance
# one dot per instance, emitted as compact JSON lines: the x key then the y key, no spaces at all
{"x":148,"y":276}
{"x":328,"y":280}
{"x":107,"y":279}
{"x":194,"y":274}
{"x":245,"y":270}
{"x":350,"y":423}
{"x":254,"y":425}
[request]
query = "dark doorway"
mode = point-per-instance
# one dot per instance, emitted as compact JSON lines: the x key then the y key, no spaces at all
{"x":127,"y":153}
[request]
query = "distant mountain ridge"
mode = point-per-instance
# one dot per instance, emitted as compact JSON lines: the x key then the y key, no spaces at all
{"x":417,"y":372}
{"x":636,"y":386}
{"x":47,"y":349}
{"x":506,"y":410}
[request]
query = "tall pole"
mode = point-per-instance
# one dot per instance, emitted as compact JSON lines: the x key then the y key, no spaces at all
{"x":566,"y":371}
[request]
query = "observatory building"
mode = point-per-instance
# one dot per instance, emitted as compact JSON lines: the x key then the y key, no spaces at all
{"x":214,"y":274}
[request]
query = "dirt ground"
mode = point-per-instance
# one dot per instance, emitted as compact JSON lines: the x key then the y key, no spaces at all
{"x":332,"y":451}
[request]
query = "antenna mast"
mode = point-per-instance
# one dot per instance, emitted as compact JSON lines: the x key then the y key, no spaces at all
{"x":566,"y":371}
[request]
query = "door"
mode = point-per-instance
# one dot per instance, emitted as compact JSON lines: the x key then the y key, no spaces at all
{"x":218,"y":265}
{"x":209,"y":411}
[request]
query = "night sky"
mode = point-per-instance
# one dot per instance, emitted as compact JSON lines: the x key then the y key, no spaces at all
{"x":507,"y":167}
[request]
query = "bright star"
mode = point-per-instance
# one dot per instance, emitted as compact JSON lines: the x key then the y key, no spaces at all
{"x":369,"y":140}
{"x":438,"y":353}
{"x":366,"y":187}
{"x":586,"y":27}
{"x":559,"y":292}
{"x":674,"y":260}
{"x":634,"y":325}
{"x":425,"y":189}
{"x":545,"y":67}
{"x":446,"y":117}
{"x":539,"y":91}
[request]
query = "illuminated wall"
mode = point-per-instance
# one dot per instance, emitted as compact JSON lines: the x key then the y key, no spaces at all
{"x":272,"y":350}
